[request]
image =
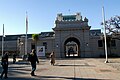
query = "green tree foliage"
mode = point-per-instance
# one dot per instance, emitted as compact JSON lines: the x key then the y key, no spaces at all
{"x":35,"y":37}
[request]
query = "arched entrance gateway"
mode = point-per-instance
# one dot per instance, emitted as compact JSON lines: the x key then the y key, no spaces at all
{"x":72,"y":47}
{"x":71,"y":36}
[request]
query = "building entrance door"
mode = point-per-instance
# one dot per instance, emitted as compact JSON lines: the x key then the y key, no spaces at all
{"x":72,"y":47}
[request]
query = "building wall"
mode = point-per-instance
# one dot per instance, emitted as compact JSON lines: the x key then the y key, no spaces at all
{"x":116,"y":50}
{"x":95,"y":50}
{"x":9,"y":46}
{"x":70,"y":26}
{"x":50,"y":43}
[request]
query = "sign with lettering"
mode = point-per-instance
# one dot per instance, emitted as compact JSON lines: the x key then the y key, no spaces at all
{"x":40,"y":50}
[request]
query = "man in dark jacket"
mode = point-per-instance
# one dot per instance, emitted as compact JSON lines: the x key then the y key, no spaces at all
{"x":4,"y":63}
{"x":32,"y":57}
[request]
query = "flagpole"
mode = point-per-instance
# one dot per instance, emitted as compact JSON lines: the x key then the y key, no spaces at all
{"x":3,"y":41}
{"x":103,"y":14}
{"x":26,"y":34}
{"x":26,"y":44}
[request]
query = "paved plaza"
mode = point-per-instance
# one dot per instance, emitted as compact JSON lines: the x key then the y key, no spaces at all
{"x":65,"y":69}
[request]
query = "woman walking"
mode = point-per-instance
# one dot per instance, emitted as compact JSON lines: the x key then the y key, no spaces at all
{"x":52,"y":58}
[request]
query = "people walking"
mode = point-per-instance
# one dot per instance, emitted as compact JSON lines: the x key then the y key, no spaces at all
{"x":14,"y":58}
{"x":4,"y":63}
{"x":32,"y":57}
{"x":52,"y":58}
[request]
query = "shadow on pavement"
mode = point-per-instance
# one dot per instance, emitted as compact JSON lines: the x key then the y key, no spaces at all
{"x":74,"y":65}
{"x":19,"y":63}
{"x":18,"y":78}
{"x":51,"y":78}
{"x":64,"y":78}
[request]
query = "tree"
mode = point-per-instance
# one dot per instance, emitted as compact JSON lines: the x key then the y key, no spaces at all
{"x":112,"y":30}
{"x":35,"y":38}
{"x":113,"y":27}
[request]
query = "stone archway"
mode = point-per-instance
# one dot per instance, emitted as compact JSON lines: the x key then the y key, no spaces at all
{"x":72,"y":47}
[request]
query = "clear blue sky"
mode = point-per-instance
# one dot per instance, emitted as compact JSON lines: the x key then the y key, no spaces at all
{"x":42,"y":13}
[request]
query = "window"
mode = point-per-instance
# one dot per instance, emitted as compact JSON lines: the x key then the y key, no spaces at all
{"x":100,"y":43}
{"x":32,"y":46}
{"x":45,"y":44}
{"x":113,"y":44}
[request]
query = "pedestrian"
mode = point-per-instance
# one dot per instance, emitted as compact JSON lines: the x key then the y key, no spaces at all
{"x":32,"y":57}
{"x":52,"y":58}
{"x":14,"y":58}
{"x":4,"y":63}
{"x":69,"y":52}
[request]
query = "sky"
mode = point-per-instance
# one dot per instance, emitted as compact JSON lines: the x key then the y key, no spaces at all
{"x":42,"y":13}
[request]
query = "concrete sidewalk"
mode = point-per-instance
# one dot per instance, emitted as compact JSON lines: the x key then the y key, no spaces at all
{"x":65,"y":69}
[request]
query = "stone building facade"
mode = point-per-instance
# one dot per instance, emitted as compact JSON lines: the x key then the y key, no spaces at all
{"x":71,"y":37}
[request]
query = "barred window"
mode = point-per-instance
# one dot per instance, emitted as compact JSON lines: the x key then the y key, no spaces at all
{"x":32,"y":46}
{"x":113,"y":43}
{"x":100,"y":43}
{"x":45,"y":44}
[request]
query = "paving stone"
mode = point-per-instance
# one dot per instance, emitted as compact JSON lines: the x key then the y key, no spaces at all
{"x":64,"y":69}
